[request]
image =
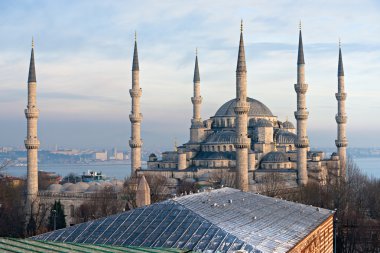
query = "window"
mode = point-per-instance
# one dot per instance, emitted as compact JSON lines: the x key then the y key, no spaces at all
{"x":72,"y":211}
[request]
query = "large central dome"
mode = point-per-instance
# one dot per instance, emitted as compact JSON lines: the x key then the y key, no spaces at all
{"x":256,"y":109}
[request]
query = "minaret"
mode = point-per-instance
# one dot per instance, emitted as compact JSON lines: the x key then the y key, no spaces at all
{"x":241,"y":110}
{"x":341,"y":118}
{"x":196,"y":121}
{"x":301,"y":115}
{"x":135,"y":117}
{"x":31,"y":142}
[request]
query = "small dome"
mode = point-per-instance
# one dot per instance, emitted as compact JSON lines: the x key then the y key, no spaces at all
{"x":275,"y":157}
{"x":73,"y":188}
{"x":95,"y":187}
{"x":288,"y":125}
{"x":65,"y":185}
{"x":82,"y":186}
{"x":152,"y":155}
{"x":263,"y":123}
{"x":54,"y":188}
{"x":256,"y":108}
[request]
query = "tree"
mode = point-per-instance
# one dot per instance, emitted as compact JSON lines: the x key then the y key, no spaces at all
{"x":271,"y":184}
{"x":57,"y":216}
{"x":158,"y":189}
{"x":102,"y":203}
{"x":11,"y":209}
{"x":72,"y":178}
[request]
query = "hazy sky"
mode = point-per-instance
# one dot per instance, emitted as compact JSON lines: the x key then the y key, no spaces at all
{"x":84,"y":53}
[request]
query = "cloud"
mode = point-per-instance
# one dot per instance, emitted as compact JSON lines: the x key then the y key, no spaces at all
{"x":84,"y":51}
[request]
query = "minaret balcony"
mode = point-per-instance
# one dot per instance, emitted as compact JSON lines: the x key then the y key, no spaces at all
{"x":241,"y":107}
{"x":31,"y":113}
{"x":242,"y":142}
{"x":341,"y":96}
{"x":32,"y":143}
{"x":196,"y":100}
{"x":303,"y":142}
{"x":301,"y":115}
{"x":341,"y":143}
{"x":135,"y":92}
{"x":341,"y":119}
{"x":196,"y":123}
{"x":135,"y":143}
{"x":301,"y":87}
{"x":135,"y":118}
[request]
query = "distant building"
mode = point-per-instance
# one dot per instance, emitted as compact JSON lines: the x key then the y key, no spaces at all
{"x":101,"y":156}
{"x":224,"y":220}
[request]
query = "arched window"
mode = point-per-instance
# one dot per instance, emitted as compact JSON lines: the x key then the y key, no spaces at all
{"x":218,"y":148}
{"x":72,"y":211}
{"x":224,"y":148}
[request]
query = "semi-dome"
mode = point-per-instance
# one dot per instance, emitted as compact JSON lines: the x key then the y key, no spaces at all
{"x":256,"y":109}
{"x":288,"y":125}
{"x":275,"y":157}
{"x":285,"y":137}
{"x":225,"y":136}
{"x":263,"y":123}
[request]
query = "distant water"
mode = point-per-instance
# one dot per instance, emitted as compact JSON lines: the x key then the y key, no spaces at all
{"x":369,"y":166}
{"x":116,"y":170}
{"x":120,"y":170}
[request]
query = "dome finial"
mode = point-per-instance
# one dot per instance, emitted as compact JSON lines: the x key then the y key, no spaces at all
{"x":196,"y":51}
{"x":340,"y":43}
{"x":175,"y":144}
{"x":135,"y":35}
{"x":241,"y":25}
{"x":32,"y":42}
{"x":300,"y":25}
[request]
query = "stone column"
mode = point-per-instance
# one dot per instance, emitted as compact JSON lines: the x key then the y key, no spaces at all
{"x":181,"y":160}
{"x":301,"y":115}
{"x":241,"y":109}
{"x":31,"y":142}
{"x":341,"y":118}
{"x":135,"y":117}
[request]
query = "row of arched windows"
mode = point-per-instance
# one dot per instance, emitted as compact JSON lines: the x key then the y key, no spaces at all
{"x":218,"y":148}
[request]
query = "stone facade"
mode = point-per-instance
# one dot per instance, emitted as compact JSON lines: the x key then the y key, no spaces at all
{"x":320,"y":240}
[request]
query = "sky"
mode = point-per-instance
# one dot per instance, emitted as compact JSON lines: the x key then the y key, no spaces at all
{"x":83,"y":54}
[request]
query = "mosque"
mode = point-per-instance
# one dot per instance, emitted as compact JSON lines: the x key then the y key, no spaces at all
{"x":244,"y":137}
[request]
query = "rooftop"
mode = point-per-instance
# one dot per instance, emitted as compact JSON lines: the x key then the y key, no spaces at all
{"x":219,"y":220}
{"x":25,"y":245}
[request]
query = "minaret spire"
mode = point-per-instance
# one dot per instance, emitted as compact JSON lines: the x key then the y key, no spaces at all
{"x":341,"y":118}
{"x":196,"y":100}
{"x":241,"y":109}
{"x":135,"y":117}
{"x":32,"y":70}
{"x":31,"y":142}
{"x":241,"y":64}
{"x":301,"y":115}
